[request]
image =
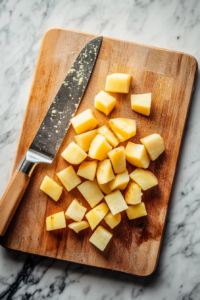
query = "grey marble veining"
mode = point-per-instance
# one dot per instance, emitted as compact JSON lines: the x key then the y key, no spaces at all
{"x":172,"y":24}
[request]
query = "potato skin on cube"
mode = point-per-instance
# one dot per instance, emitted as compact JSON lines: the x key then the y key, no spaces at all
{"x":100,"y":238}
{"x":85,"y":121}
{"x":118,"y":83}
{"x":56,"y":221}
{"x":51,"y":188}
{"x":74,"y":154}
{"x":133,"y":193}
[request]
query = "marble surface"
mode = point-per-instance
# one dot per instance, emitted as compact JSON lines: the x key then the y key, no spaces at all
{"x":172,"y":24}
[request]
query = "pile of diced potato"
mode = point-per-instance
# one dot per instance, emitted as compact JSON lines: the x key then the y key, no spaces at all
{"x":106,"y":175}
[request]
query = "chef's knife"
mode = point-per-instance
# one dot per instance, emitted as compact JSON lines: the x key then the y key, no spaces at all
{"x":52,"y":129}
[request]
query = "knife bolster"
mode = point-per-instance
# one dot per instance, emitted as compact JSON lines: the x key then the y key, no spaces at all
{"x":27,"y":166}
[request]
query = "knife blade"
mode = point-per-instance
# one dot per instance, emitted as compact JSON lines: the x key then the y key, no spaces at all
{"x":52,"y":129}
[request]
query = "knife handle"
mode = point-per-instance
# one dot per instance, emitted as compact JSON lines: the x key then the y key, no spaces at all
{"x":11,"y":199}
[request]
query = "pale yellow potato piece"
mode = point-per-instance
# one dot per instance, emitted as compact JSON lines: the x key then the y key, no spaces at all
{"x":111,"y":220}
{"x":141,"y":103}
{"x":74,"y":154}
{"x":104,"y":102}
{"x":99,"y":148}
{"x":96,"y":215}
{"x":154,"y":145}
{"x":109,"y":136}
{"x":51,"y":188}
{"x":133,"y":193}
{"x":120,"y":182}
{"x":84,"y":121}
{"x":67,"y":217}
{"x":118,"y":83}
{"x":123,"y":128}
{"x":118,"y":159}
{"x":144,"y":178}
{"x":56,"y":221}
{"x":105,"y":188}
{"x":101,"y":238}
{"x":78,"y":226}
{"x":69,"y":178}
{"x":91,"y":192}
{"x":76,"y":211}
{"x":136,"y":211}
{"x":88,"y":169}
{"x":136,"y":155}
{"x":105,"y":171}
{"x":116,"y":202}
{"x":84,"y":140}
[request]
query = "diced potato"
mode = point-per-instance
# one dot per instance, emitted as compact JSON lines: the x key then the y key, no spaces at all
{"x":99,"y":148}
{"x":136,"y":211}
{"x":78,"y":226}
{"x":101,"y":238}
{"x":96,"y":215}
{"x":144,"y":178}
{"x":118,"y":159}
{"x":104,"y":102}
{"x":136,"y":155}
{"x":67,"y":217}
{"x":109,"y":136}
{"x":51,"y":188}
{"x":105,"y":172}
{"x":120,"y":182}
{"x":84,"y":121}
{"x":116,"y":202}
{"x":133,"y":194}
{"x":84,"y":140}
{"x":123,"y":128}
{"x":74,"y":154}
{"x":141,"y":103}
{"x":88,"y":169}
{"x":69,"y":178}
{"x":91,"y":192}
{"x":76,"y":211}
{"x":56,"y":221}
{"x":111,"y":220}
{"x":105,"y":188}
{"x":154,"y":145}
{"x":118,"y":83}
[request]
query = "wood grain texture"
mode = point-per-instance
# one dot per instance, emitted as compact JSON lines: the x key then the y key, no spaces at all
{"x":169,"y":76}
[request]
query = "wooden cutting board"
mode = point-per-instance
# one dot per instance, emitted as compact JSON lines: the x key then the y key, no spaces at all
{"x":169,"y":76}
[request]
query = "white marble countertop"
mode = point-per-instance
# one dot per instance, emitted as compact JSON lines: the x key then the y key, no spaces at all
{"x":172,"y":24}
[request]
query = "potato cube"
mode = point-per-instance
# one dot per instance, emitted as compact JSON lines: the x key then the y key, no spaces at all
{"x":78,"y":226}
{"x":85,"y":139}
{"x":154,"y":145}
{"x":123,"y":128}
{"x":141,"y":103}
{"x":76,"y":211}
{"x":51,"y":188}
{"x":69,"y":178}
{"x":136,"y":155}
{"x":116,"y":202}
{"x":118,"y":83}
{"x":88,"y":169}
{"x":133,"y":194}
{"x":109,"y":136}
{"x":74,"y":154}
{"x":91,"y":192}
{"x":136,"y":211}
{"x":99,"y":148}
{"x":144,"y":178}
{"x":101,"y":238}
{"x":96,"y":215}
{"x":111,"y":220}
{"x":104,"y":102}
{"x":118,"y":159}
{"x":120,"y":182}
{"x":105,"y":188}
{"x":56,"y":221}
{"x":84,"y":121}
{"x":105,"y":172}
